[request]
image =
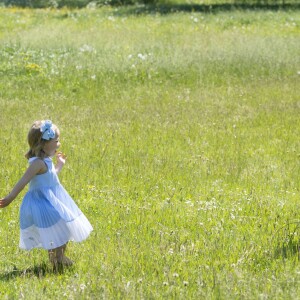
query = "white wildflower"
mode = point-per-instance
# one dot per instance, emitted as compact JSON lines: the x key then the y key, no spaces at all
{"x":142,"y":56}
{"x":92,"y":5}
{"x":194,"y":19}
{"x":86,"y":48}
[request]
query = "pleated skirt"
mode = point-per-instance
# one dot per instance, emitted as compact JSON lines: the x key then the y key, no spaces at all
{"x":49,"y":218}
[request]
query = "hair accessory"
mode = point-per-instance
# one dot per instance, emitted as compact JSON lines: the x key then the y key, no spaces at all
{"x":47,"y":130}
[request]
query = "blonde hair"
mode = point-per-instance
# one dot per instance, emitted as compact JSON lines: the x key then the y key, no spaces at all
{"x":35,"y":141}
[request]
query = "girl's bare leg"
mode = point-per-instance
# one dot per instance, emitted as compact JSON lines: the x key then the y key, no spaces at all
{"x":57,"y":256}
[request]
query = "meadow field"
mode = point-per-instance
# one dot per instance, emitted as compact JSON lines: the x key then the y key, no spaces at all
{"x":182,"y":132}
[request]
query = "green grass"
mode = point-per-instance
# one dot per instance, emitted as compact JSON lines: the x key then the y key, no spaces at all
{"x":182,"y":136}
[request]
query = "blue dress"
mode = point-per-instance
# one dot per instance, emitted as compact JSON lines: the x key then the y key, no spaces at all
{"x":49,"y":217}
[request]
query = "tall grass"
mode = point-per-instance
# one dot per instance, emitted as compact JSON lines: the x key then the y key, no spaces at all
{"x":182,"y":136}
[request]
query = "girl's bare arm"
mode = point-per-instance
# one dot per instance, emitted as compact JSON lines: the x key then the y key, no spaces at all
{"x":37,"y":166}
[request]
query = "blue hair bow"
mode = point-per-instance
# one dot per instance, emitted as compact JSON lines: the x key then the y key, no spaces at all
{"x":47,"y":130}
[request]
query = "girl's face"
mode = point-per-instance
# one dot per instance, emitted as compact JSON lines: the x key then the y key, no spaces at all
{"x":52,"y":145}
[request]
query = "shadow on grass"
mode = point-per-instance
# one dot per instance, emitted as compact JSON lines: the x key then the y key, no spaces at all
{"x":288,"y":241}
{"x":203,"y":8}
{"x":287,"y":250}
{"x":35,"y":271}
{"x":38,"y":271}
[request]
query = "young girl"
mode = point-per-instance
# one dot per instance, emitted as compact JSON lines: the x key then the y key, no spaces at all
{"x":49,"y":218}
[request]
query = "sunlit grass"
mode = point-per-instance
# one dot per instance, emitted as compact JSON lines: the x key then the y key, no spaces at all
{"x":182,"y":136}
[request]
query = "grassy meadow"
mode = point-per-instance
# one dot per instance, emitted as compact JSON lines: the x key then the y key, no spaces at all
{"x":182,"y":133}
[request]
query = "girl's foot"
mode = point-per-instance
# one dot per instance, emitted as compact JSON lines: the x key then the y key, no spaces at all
{"x":58,"y":259}
{"x":66,"y":261}
{"x":59,"y":265}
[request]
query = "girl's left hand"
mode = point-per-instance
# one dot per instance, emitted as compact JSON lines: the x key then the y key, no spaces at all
{"x":61,"y":158}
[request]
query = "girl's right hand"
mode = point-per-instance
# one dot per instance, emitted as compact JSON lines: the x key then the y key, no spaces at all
{"x":5,"y":202}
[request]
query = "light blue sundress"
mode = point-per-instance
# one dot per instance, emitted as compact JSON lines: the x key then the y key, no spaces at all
{"x":49,"y":217}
